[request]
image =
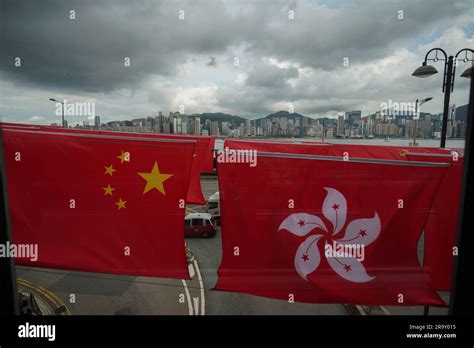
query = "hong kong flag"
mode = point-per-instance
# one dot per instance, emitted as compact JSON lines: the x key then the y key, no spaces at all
{"x":442,"y":222}
{"x":302,"y":228}
{"x":99,"y":203}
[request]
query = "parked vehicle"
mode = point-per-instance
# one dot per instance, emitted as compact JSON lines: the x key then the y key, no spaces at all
{"x":214,"y":207}
{"x":200,"y":225}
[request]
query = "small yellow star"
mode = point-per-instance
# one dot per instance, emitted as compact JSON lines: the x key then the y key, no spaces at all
{"x":124,"y":157}
{"x":155,"y":179}
{"x":108,"y":190}
{"x":194,"y":155}
{"x":109,"y":170}
{"x":121,"y":204}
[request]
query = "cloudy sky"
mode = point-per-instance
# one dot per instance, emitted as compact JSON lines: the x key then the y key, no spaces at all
{"x":243,"y":57}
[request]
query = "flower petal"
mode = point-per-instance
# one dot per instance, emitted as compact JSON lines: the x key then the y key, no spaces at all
{"x":335,"y":209}
{"x":307,"y":256}
{"x":362,"y":231}
{"x":347,"y":266}
{"x":301,"y":224}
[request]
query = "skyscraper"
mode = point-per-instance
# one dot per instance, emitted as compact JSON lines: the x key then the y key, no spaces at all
{"x":340,"y":125}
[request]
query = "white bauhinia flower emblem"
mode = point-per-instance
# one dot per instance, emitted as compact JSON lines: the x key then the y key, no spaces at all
{"x":360,"y":231}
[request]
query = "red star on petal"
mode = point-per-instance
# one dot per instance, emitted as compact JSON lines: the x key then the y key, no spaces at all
{"x":335,"y":206}
{"x":348,"y":268}
{"x":362,"y":233}
{"x":301,"y":223}
{"x":305,"y":257}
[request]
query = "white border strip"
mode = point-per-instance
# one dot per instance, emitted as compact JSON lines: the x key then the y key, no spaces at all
{"x":427,"y":154}
{"x":101,"y":136}
{"x":358,"y":160}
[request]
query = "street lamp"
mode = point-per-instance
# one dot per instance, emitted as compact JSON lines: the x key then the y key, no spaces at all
{"x":448,"y":79}
{"x":415,"y":124}
{"x":62,"y":109}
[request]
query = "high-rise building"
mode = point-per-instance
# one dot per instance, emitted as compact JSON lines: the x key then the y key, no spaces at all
{"x":340,"y":125}
{"x":184,"y":127}
{"x":97,"y":121}
{"x":225,"y":128}
{"x":248,"y":127}
{"x":215,"y":128}
{"x":351,"y":117}
{"x":427,"y":127}
{"x":197,"y":126}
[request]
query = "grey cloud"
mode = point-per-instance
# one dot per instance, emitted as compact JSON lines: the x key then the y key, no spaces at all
{"x":270,"y":76}
{"x":212,"y":62}
{"x":87,"y":54}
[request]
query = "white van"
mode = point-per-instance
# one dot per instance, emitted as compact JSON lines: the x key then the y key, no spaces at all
{"x":214,"y":207}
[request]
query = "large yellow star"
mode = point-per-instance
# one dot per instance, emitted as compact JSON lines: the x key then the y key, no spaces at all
{"x":124,"y":157}
{"x":108,"y":190}
{"x":109,"y":170}
{"x":121,"y":204}
{"x":155,"y":179}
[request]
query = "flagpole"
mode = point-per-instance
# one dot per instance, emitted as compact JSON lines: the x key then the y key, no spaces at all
{"x":461,"y":301}
{"x":9,"y":305}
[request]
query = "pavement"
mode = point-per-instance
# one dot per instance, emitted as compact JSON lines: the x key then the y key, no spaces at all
{"x":84,"y":293}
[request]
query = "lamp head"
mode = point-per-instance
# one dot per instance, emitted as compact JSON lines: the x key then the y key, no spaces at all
{"x":424,"y":71}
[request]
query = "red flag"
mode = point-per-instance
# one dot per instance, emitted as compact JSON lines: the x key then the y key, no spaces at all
{"x":441,"y":223}
{"x":99,"y":203}
{"x":208,"y":157}
{"x":200,"y":156}
{"x":326,"y":230}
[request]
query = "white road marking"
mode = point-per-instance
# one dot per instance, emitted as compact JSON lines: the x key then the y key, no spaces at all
{"x":201,"y":285}
{"x":188,"y":297}
{"x":196,"y":304}
{"x":191,"y":270}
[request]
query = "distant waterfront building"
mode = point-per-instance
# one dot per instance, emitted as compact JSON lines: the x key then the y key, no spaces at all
{"x":197,"y":126}
{"x":184,"y":127}
{"x":226,"y":128}
{"x":427,"y":127}
{"x":352,"y":117}
{"x":215,"y":128}
{"x":97,"y":121}
{"x":248,"y":127}
{"x":340,"y":125}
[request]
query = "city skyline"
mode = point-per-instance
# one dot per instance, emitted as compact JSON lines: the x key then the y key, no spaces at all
{"x":352,"y":124}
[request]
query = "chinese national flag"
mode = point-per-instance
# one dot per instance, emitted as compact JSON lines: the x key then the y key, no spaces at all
{"x":326,"y":230}
{"x":98,"y":203}
{"x":202,"y":152}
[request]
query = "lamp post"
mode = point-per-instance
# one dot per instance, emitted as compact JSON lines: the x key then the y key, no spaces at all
{"x":415,"y":123}
{"x":450,"y":64}
{"x":62,"y":109}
